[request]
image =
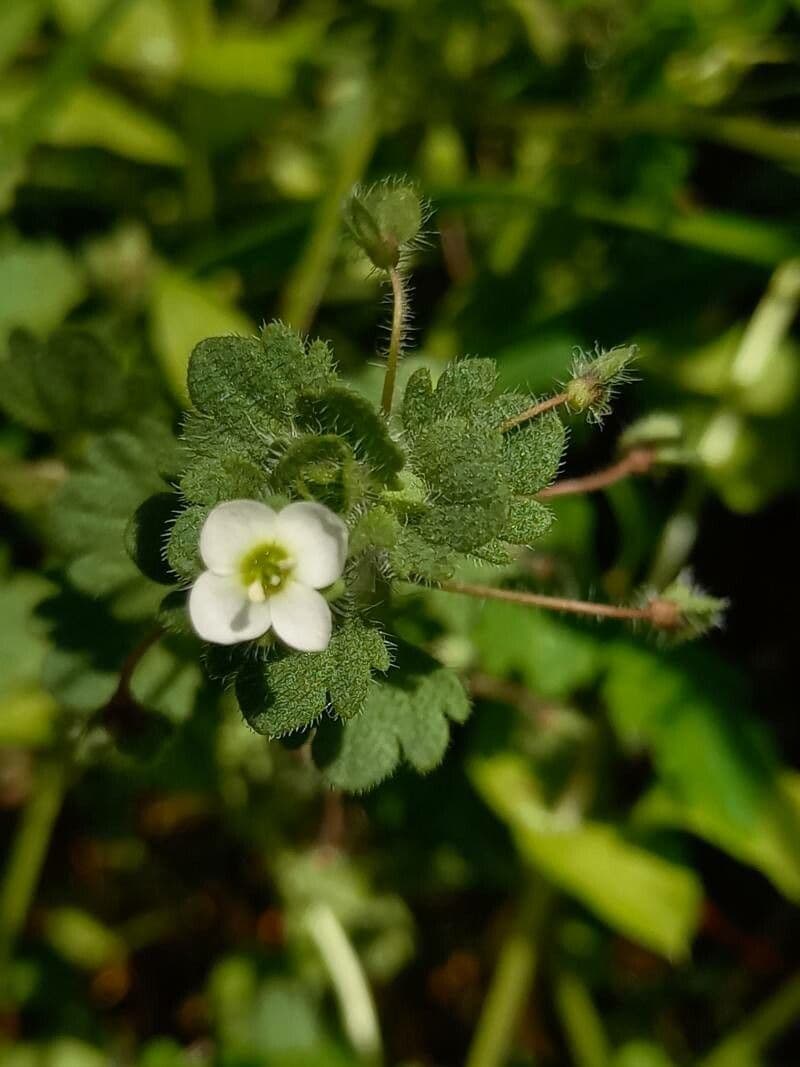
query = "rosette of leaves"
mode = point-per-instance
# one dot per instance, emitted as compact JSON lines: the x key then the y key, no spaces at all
{"x":272,"y":421}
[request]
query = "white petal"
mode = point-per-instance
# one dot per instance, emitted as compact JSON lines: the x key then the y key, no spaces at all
{"x":221,"y":611}
{"x":316,"y":539}
{"x":301,"y":617}
{"x":231,"y":529}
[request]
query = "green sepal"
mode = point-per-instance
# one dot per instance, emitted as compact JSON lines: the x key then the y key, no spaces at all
{"x":383,"y":219}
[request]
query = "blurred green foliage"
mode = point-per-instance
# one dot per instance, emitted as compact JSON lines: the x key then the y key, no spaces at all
{"x":619,"y":821}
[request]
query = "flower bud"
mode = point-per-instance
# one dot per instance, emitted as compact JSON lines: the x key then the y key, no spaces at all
{"x":384,"y":220}
{"x":595,"y":377}
{"x":685,"y":611}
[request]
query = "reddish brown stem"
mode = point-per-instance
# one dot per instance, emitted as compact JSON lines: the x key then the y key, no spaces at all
{"x":538,"y":408}
{"x":661,"y":614}
{"x":637,"y":461}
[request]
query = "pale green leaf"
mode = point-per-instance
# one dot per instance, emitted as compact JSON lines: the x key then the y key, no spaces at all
{"x":183,"y":312}
{"x":643,"y":896}
{"x":39,"y":283}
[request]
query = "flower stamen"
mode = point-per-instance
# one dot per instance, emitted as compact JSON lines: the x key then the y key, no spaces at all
{"x":265,"y":570}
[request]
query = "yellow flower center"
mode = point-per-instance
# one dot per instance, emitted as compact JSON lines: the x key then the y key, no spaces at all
{"x":265,"y":570}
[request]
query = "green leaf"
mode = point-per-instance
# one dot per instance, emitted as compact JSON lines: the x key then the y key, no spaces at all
{"x":321,"y":467}
{"x":338,"y":410}
{"x":184,"y":311}
{"x":404,"y":717}
{"x":687,"y":709}
{"x":527,"y":521}
{"x":26,"y":710}
{"x":168,"y":678}
{"x":88,"y":647}
{"x":70,"y":384}
{"x":417,"y":407}
{"x":643,"y":1054}
{"x":90,"y":514}
{"x":552,"y":657}
{"x":770,"y":845}
{"x":251,"y":62}
{"x":81,"y":939}
{"x":183,"y":553}
{"x":94,"y":117}
{"x":412,"y":556}
{"x":147,"y":533}
{"x":250,"y":385}
{"x":532,"y":450}
{"x":291,"y":690}
{"x":146,"y":39}
{"x":464,"y":389}
{"x":653,"y":901}
{"x":226,"y":476}
{"x":39,"y":284}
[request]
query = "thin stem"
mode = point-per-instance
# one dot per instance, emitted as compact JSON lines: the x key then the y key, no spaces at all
{"x":535,"y":409}
{"x":637,"y":461}
{"x":27,"y":856}
{"x":583,"y":1027}
{"x":307,"y":283}
{"x":395,"y":340}
{"x":658,"y":613}
{"x":122,"y":714}
{"x":356,"y":1006}
{"x":747,"y":1042}
{"x":511,"y":982}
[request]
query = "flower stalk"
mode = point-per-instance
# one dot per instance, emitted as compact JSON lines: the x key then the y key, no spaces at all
{"x":395,"y":340}
{"x":539,"y":408}
{"x":661,"y":614}
{"x":637,"y":461}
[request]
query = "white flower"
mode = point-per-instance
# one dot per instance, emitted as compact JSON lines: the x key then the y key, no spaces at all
{"x":264,"y":570}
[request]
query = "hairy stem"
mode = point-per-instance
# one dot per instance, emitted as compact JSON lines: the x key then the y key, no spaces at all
{"x":395,"y":340}
{"x":511,"y":982}
{"x":660,"y":614}
{"x":538,"y":408}
{"x":27,"y":856}
{"x":637,"y":461}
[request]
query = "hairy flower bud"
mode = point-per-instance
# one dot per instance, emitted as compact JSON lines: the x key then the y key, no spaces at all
{"x":384,"y":219}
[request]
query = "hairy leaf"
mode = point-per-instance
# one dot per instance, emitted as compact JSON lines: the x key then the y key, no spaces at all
{"x":291,"y":690}
{"x":89,"y":516}
{"x":338,"y":410}
{"x":70,"y":383}
{"x":404,"y":717}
